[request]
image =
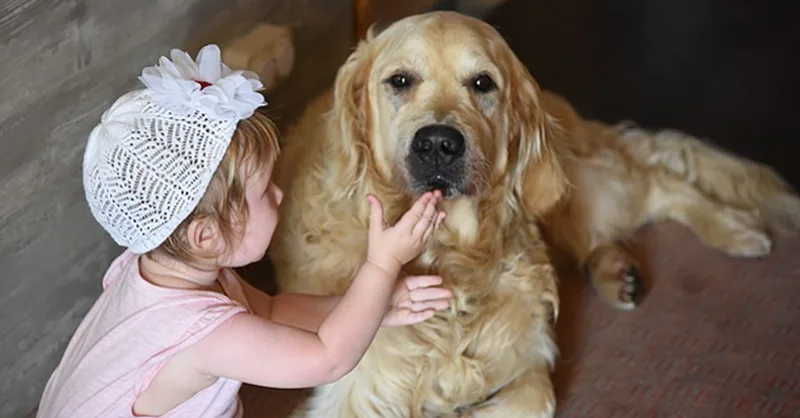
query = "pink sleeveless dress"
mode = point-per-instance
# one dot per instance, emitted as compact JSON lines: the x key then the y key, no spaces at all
{"x":129,"y":334}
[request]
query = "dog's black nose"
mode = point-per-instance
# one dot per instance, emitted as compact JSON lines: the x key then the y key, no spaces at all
{"x":441,"y":142}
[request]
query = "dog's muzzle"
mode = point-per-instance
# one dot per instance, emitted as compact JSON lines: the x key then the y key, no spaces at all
{"x":437,"y":160}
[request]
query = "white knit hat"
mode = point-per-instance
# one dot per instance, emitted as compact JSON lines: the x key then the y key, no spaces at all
{"x":151,"y":158}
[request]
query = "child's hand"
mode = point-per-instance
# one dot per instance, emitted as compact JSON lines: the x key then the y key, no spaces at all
{"x":390,"y":247}
{"x":416,"y":299}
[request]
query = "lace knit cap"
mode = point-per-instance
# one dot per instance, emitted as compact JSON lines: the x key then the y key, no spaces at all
{"x":149,"y":161}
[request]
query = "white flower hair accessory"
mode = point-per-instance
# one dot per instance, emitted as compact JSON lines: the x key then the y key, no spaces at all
{"x":182,"y":85}
{"x":149,"y":161}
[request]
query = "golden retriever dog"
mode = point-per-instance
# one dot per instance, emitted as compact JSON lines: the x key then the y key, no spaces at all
{"x":439,"y":101}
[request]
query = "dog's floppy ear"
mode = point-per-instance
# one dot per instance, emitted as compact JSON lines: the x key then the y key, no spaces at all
{"x":350,"y":114}
{"x":540,"y":180}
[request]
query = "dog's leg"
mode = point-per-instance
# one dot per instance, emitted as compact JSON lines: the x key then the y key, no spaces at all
{"x":717,"y":173}
{"x":613,"y":271}
{"x":592,"y":238}
{"x":591,"y":223}
{"x":729,"y":202}
{"x":529,"y":396}
{"x":610,"y":203}
{"x":737,"y":232}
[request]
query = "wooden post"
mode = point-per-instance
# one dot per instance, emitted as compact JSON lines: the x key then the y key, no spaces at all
{"x":362,"y":17}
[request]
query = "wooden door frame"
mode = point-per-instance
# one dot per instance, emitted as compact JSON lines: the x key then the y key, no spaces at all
{"x":362,"y":18}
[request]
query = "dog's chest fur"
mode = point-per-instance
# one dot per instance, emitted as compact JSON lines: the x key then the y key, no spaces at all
{"x":460,"y":356}
{"x":494,"y":325}
{"x":477,"y":346}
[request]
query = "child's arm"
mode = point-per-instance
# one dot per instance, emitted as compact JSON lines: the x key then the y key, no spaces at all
{"x":294,"y":309}
{"x":262,"y":352}
{"x":302,"y":311}
{"x":258,"y":351}
{"x":414,"y":299}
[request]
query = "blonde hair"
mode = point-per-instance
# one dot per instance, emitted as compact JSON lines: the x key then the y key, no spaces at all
{"x":253,"y":148}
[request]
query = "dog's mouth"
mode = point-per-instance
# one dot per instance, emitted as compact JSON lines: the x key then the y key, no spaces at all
{"x":439,"y":183}
{"x":450,"y":188}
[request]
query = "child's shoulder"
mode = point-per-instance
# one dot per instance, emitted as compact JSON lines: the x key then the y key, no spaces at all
{"x":118,"y":266}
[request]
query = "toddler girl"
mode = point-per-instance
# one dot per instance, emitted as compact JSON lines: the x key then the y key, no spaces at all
{"x":179,"y":174}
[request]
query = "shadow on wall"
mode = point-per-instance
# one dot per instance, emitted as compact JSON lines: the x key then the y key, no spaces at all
{"x":387,"y":11}
{"x":719,"y":70}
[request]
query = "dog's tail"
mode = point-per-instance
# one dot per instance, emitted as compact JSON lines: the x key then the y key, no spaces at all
{"x":730,"y":179}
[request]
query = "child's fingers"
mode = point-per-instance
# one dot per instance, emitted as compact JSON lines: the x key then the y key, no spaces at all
{"x":418,"y":282}
{"x":417,"y":317}
{"x":429,"y":293}
{"x":437,"y":305}
{"x":432,"y":227}
{"x":375,"y":213}
{"x":415,"y":213}
{"x":426,"y":220}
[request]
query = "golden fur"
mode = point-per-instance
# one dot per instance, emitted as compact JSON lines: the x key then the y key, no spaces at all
{"x":623,"y":177}
{"x":529,"y":158}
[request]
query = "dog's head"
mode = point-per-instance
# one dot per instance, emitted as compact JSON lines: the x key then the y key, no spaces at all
{"x":439,"y":101}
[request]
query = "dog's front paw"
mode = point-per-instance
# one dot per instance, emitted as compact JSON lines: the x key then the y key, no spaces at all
{"x":616,"y":277}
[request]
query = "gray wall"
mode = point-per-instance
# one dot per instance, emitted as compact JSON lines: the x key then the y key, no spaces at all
{"x":61,"y":63}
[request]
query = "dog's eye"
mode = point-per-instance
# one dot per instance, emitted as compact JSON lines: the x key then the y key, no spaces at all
{"x":400,"y":81}
{"x":483,"y":83}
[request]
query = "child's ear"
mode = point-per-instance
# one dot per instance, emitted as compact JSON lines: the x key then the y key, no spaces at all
{"x":204,"y":236}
